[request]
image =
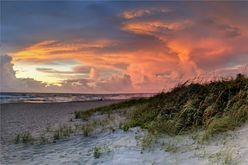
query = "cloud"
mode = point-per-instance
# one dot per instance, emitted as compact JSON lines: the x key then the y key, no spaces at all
{"x":149,"y":27}
{"x":9,"y":83}
{"x":130,"y":14}
{"x":82,"y":69}
{"x":201,"y":45}
{"x":54,"y":71}
{"x":93,"y":74}
{"x":146,"y":47}
{"x":92,"y":84}
{"x":117,"y":83}
{"x":53,"y":49}
{"x":221,"y":26}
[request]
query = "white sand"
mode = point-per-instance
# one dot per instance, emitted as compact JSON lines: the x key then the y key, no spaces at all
{"x":32,"y":117}
{"x":124,"y":148}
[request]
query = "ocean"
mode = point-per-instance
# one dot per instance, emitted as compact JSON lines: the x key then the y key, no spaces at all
{"x":64,"y":97}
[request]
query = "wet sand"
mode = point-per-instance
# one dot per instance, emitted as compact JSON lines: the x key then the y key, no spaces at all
{"x":36,"y":117}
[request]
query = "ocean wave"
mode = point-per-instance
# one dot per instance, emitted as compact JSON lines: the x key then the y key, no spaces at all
{"x":56,"y":98}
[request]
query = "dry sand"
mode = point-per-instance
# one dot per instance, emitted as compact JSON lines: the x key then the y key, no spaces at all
{"x":118,"y":147}
{"x":35,"y":117}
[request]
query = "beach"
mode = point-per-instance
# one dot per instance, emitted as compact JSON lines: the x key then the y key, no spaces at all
{"x":124,"y":82}
{"x":36,"y":117}
{"x":107,"y":143}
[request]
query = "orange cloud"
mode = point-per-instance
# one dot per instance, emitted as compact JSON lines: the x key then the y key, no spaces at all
{"x":150,"y":69}
{"x":184,"y":54}
{"x":148,"y":27}
{"x":187,"y":64}
{"x":142,"y":48}
{"x":53,"y":49}
{"x":139,"y":65}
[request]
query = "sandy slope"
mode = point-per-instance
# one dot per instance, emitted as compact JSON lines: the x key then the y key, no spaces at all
{"x":123,"y":148}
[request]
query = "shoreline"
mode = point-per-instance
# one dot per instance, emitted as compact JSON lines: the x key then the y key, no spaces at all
{"x":27,"y":102}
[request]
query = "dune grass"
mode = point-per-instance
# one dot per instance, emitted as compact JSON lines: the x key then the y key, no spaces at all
{"x":215,"y":107}
{"x":109,"y":108}
{"x":223,"y":157}
{"x":98,"y":151}
{"x":62,"y":132}
{"x":147,"y":140}
{"x":25,"y":138}
{"x":89,"y":127}
{"x":170,"y":147}
{"x":43,"y":139}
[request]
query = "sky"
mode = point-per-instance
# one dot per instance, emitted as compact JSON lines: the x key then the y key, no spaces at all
{"x":119,"y":47}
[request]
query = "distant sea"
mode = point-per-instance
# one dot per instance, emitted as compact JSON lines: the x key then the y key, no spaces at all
{"x":62,"y":97}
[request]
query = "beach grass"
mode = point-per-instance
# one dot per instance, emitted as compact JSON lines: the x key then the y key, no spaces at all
{"x":97,"y":152}
{"x":215,"y":107}
{"x":62,"y":132}
{"x":25,"y":138}
{"x":88,"y":128}
{"x":147,"y":140}
{"x":43,"y":139}
{"x":109,"y":108}
{"x":170,"y":147}
{"x":224,"y":157}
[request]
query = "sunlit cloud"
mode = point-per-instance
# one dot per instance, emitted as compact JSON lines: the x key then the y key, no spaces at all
{"x":46,"y":50}
{"x":155,"y":26}
{"x":105,"y":65}
{"x":145,"y":48}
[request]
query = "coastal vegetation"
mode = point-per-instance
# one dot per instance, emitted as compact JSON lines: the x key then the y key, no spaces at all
{"x":100,"y":150}
{"x":109,"y":108}
{"x":25,"y":138}
{"x":97,"y":152}
{"x":87,"y":129}
{"x":214,"y":107}
{"x":174,"y":122}
{"x":203,"y":109}
{"x":62,"y":132}
{"x":223,"y":157}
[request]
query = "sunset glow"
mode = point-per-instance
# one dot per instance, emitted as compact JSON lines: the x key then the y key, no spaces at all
{"x":104,"y":47}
